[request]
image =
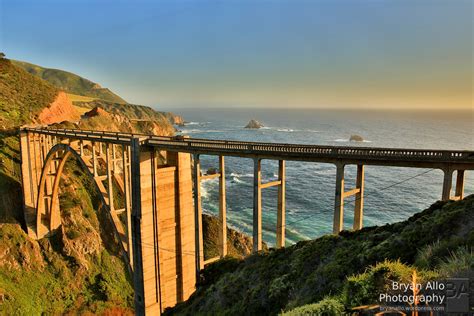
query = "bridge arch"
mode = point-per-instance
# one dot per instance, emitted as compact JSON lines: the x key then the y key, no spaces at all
{"x":48,"y":216}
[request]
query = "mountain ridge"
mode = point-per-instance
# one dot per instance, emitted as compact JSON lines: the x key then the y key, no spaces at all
{"x":70,"y":82}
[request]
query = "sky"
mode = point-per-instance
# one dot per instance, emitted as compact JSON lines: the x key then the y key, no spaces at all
{"x":262,"y":53}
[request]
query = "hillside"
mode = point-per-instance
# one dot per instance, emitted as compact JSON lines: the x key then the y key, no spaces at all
{"x":137,"y":114}
{"x":336,"y":273}
{"x":22,"y":96}
{"x":70,"y":82}
{"x":79,"y":269}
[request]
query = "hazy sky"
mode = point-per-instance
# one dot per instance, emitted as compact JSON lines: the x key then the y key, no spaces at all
{"x":333,"y":53}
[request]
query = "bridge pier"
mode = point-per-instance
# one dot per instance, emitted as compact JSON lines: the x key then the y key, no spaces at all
{"x":448,"y":183}
{"x":281,"y":206}
{"x":459,"y":194}
{"x":257,"y":205}
{"x":199,"y":244}
{"x":222,"y":209}
{"x":358,"y":191}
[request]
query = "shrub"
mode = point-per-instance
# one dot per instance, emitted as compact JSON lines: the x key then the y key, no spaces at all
{"x":329,"y":306}
{"x":364,"y":288}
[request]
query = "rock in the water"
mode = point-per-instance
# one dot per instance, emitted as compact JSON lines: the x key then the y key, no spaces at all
{"x":254,"y":124}
{"x":356,"y":138}
{"x":212,"y":170}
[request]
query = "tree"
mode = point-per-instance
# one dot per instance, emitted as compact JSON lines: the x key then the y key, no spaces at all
{"x":2,"y":55}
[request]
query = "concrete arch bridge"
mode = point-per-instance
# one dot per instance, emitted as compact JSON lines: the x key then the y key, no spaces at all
{"x":158,"y":219}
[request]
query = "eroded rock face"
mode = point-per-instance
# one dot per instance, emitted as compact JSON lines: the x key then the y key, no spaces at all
{"x":356,"y":138}
{"x":97,"y":111}
{"x":178,"y":120}
{"x":59,"y":111}
{"x":254,"y":124}
{"x":17,"y":250}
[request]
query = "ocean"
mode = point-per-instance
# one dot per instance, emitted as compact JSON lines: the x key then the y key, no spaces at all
{"x":389,"y":195}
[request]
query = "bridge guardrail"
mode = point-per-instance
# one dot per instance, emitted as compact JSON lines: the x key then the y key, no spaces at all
{"x":203,"y":145}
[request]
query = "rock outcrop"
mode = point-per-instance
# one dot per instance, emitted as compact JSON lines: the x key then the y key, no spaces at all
{"x":97,"y":111}
{"x":59,"y":111}
{"x":356,"y":138}
{"x":254,"y":124}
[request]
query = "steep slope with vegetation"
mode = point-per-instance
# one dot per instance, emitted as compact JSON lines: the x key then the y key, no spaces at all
{"x":78,"y":269}
{"x":22,"y":96}
{"x":70,"y":82}
{"x":336,"y":273}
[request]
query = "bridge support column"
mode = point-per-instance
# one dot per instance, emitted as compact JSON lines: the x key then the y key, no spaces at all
{"x":359,"y":199}
{"x":338,"y":223}
{"x":222,"y":209}
{"x":110,"y":182}
{"x":447,"y":184}
{"x":257,"y":206}
{"x":28,"y":183}
{"x":281,"y":221}
{"x":459,"y":195}
{"x":199,"y":245}
{"x":94,"y":159}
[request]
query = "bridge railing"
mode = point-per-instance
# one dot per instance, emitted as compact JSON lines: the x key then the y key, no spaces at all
{"x":203,"y":145}
{"x":192,"y":144}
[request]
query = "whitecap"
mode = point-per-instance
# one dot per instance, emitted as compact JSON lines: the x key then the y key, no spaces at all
{"x":343,"y":140}
{"x":236,"y":180}
{"x":245,"y":175}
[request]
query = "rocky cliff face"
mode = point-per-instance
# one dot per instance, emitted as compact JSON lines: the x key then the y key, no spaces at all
{"x":239,"y":245}
{"x":58,"y":111}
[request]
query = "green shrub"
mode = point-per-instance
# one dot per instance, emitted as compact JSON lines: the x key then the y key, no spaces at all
{"x":363,"y":289}
{"x":329,"y":306}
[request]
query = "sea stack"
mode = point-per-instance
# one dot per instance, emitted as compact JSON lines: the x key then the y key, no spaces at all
{"x":254,"y":124}
{"x":356,"y":138}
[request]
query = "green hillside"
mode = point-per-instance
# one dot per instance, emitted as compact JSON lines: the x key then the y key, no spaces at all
{"x":22,"y":96}
{"x":70,"y":82}
{"x":332,"y":274}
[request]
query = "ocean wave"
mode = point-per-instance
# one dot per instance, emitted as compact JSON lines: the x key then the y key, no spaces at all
{"x":189,"y":131}
{"x":236,"y":180}
{"x":245,"y":175}
{"x":345,"y":140}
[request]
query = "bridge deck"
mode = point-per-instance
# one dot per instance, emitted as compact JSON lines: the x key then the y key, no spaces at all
{"x":403,"y":157}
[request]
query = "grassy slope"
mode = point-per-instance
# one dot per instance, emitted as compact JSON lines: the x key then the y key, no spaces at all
{"x":70,"y":82}
{"x":309,"y":271}
{"x":22,"y":96}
